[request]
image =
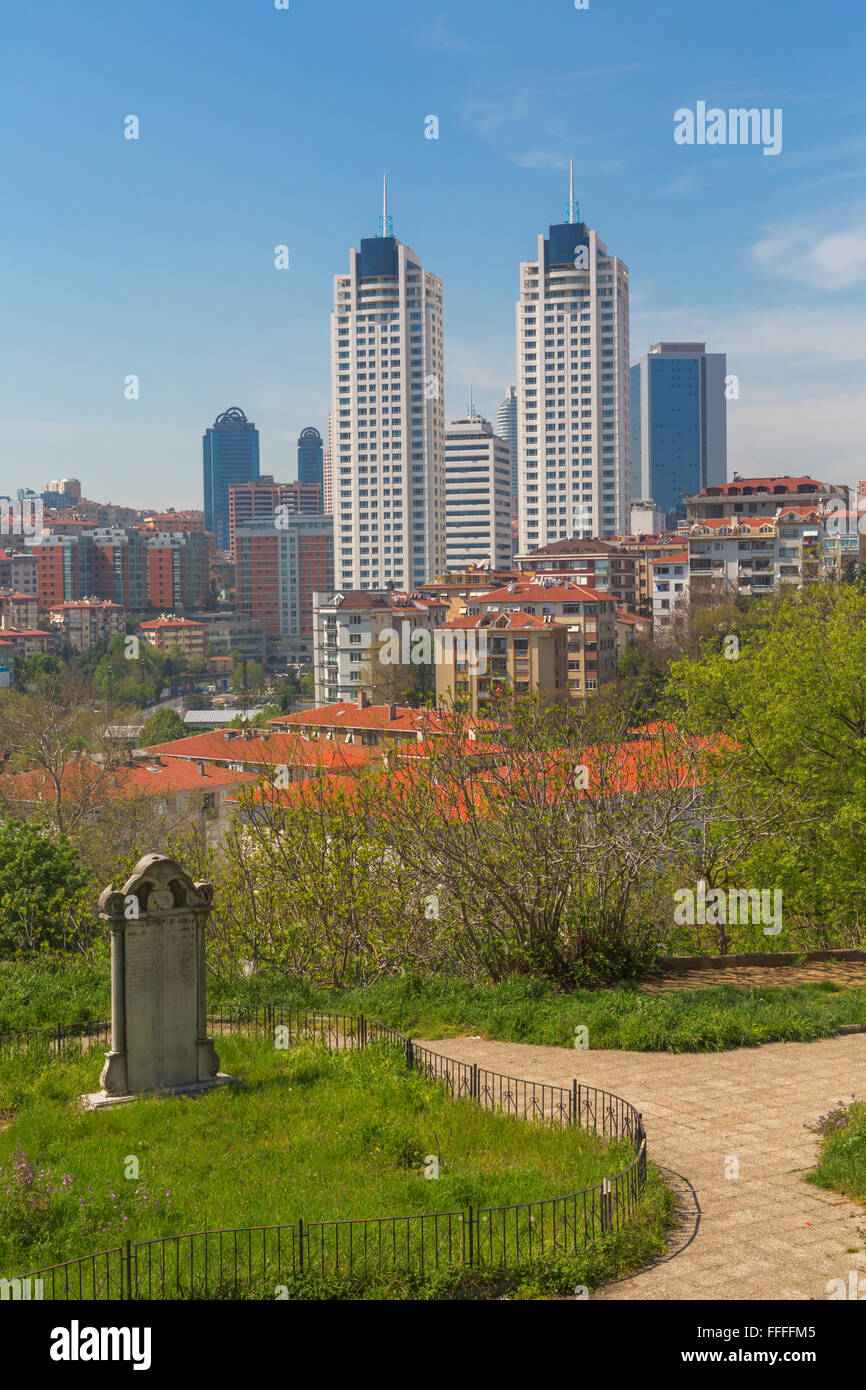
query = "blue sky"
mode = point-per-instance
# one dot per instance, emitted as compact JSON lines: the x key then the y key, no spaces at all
{"x":261,"y":127}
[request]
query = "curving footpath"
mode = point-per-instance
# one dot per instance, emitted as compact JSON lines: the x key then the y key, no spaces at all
{"x":765,"y":1233}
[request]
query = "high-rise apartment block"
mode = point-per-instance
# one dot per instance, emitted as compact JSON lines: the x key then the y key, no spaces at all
{"x":477,"y":496}
{"x":231,"y":455}
{"x":388,"y":438}
{"x":281,"y":562}
{"x":136,"y":569}
{"x":264,"y":498}
{"x":506,"y":428}
{"x":573,"y":388}
{"x":678,"y":424}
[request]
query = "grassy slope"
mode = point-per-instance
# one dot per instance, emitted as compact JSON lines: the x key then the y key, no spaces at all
{"x":705,"y":1020}
{"x":313,"y":1134}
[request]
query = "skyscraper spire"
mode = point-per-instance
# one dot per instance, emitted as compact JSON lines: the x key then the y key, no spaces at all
{"x":572,"y":209}
{"x":386,"y":226}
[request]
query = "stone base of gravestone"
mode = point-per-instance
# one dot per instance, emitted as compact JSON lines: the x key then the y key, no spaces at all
{"x":159,"y":1043}
{"x":101,"y":1100}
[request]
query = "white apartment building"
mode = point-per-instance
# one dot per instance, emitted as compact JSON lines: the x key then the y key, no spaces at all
{"x":348,"y":626}
{"x":573,"y":388}
{"x":387,"y":442}
{"x":756,"y":555}
{"x":670,"y":592}
{"x":477,"y":495}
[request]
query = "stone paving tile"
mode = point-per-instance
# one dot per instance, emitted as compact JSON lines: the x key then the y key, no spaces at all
{"x":843,"y":972}
{"x":767,"y":1234}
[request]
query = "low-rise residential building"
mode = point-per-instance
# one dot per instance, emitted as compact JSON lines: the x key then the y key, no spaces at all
{"x":17,"y":609}
{"x":753,"y":497}
{"x":630,"y":627}
{"x":171,"y":631}
{"x":349,"y":628}
{"x":361,"y":723}
{"x":754,"y":556}
{"x":185,"y":793}
{"x":589,"y":615}
{"x":29,"y":641}
{"x":670,"y":593}
{"x":83,"y":623}
{"x":645,"y":549}
{"x":489,"y":654}
{"x":601,"y":565}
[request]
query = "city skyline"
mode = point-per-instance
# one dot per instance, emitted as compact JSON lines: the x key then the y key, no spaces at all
{"x":154,"y":257}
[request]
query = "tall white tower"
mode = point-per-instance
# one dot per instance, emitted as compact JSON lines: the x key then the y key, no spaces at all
{"x":478,"y":495}
{"x":388,"y":406}
{"x":573,"y":387}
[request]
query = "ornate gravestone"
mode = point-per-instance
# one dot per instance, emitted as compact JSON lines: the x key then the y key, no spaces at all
{"x":158,"y":1012}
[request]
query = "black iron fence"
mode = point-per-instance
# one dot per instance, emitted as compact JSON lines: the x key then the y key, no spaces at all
{"x":276,"y":1261}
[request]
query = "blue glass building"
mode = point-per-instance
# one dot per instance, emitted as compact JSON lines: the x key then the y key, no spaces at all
{"x":678,"y":424}
{"x":231,"y":455}
{"x":310,"y":457}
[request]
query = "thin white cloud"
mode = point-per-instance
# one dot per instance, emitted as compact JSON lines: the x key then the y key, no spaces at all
{"x":833,"y":261}
{"x":808,"y":338}
{"x":440,"y":36}
{"x":541,"y":159}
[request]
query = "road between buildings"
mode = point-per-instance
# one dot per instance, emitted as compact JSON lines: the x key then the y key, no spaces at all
{"x":765,"y":1233}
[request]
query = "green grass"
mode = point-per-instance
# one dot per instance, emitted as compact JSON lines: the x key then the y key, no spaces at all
{"x":50,"y":990}
{"x":842,"y":1165}
{"x":713,"y":1019}
{"x":312,"y":1134}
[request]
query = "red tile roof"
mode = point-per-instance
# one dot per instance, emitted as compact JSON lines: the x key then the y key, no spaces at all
{"x":716,"y":523}
{"x":170,"y":622}
{"x":144,"y":778}
{"x":267,"y":750}
{"x":566,"y":591}
{"x":505,"y":621}
{"x":735,"y":488}
{"x":348,"y":715}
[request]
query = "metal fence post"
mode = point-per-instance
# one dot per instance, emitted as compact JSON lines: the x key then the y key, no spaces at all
{"x":300,"y":1244}
{"x":606,"y":1204}
{"x":128,"y":1270}
{"x":574,"y":1114}
{"x":471,"y":1238}
{"x":476,"y":1085}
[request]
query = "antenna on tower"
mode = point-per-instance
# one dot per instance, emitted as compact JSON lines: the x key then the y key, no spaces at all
{"x":386,"y":225}
{"x":471,"y":410}
{"x":572,"y":208}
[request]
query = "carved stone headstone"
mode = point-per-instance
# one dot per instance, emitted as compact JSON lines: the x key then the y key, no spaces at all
{"x":159,"y":1036}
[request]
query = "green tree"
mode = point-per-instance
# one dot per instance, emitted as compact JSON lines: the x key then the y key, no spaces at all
{"x":789,"y":695}
{"x":255,"y":675}
{"x":43,"y":898}
{"x":163,"y":726}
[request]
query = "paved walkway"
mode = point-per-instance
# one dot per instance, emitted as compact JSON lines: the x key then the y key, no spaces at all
{"x":765,"y":1234}
{"x":842,"y":972}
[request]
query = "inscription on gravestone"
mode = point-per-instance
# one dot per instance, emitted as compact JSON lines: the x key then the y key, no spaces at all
{"x":159,"y":1036}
